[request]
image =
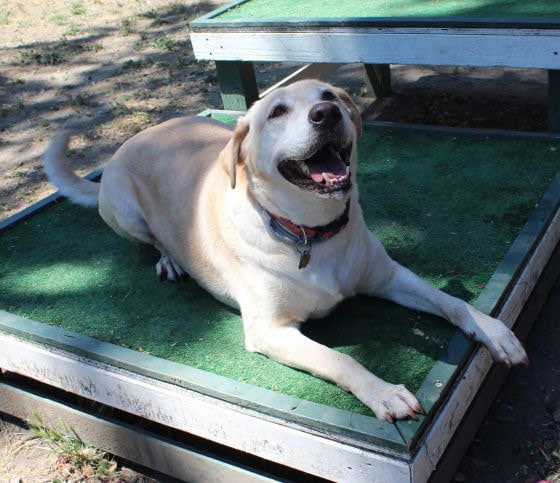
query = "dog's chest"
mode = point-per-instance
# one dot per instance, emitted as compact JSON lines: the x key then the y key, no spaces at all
{"x":315,"y":291}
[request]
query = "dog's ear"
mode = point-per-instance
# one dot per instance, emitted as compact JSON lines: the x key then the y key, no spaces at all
{"x":352,"y":109}
{"x":231,"y":155}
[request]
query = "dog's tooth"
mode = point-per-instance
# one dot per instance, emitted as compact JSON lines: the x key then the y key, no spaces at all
{"x":326,"y":178}
{"x":335,"y":152}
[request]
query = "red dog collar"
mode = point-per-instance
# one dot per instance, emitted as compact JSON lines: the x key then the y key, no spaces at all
{"x":303,"y":236}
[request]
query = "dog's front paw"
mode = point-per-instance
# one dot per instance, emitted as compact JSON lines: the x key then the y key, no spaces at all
{"x":501,"y":342}
{"x":393,"y":402}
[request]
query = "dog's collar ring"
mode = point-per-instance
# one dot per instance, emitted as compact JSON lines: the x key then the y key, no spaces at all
{"x":304,"y":250}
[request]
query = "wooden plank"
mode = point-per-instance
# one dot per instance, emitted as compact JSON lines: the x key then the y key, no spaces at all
{"x":493,"y":298}
{"x":378,"y":79}
{"x":460,"y":47}
{"x":554,"y":100}
{"x":365,"y":431}
{"x":492,"y":384}
{"x":460,"y":398}
{"x":309,"y":71}
{"x":125,"y":441}
{"x":203,"y":416}
{"x":237,"y":84}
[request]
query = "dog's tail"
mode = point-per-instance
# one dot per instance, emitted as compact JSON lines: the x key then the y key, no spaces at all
{"x":78,"y":190}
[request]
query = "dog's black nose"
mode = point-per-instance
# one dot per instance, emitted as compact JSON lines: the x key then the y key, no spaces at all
{"x":325,"y":114}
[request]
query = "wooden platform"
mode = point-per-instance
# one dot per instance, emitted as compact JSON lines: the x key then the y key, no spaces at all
{"x":311,"y":437}
{"x":377,"y":34}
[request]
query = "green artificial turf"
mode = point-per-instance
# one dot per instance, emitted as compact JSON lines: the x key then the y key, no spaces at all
{"x":491,"y":9}
{"x":447,"y":207}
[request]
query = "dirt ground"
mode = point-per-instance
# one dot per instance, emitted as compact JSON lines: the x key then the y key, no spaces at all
{"x":27,"y":459}
{"x":112,"y":68}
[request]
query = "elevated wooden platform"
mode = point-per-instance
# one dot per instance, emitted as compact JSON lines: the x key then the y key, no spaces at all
{"x":70,"y":322}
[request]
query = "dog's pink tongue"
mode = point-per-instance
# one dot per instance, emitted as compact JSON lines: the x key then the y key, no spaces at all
{"x":331,"y":168}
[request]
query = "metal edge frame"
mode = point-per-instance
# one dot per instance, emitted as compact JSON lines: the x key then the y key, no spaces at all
{"x":53,"y":198}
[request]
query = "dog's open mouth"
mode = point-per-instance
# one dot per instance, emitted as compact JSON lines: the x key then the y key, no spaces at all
{"x":327,"y":171}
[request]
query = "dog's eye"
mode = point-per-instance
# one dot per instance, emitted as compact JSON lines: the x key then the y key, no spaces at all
{"x":278,"y":111}
{"x":328,"y":96}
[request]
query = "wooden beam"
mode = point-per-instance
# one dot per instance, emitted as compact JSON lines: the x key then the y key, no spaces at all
{"x":237,"y":84}
{"x":125,"y":441}
{"x":186,"y":410}
{"x":427,"y":46}
{"x":378,"y":79}
{"x":309,"y":71}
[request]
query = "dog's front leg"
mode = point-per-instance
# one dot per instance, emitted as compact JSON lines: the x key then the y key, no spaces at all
{"x":283,"y":342}
{"x":389,"y":280}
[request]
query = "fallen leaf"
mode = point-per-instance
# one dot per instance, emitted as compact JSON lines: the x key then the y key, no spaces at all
{"x":87,"y":471}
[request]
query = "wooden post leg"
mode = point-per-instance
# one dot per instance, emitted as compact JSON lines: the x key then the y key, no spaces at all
{"x":554,"y":101}
{"x":378,"y":79}
{"x":238,"y":84}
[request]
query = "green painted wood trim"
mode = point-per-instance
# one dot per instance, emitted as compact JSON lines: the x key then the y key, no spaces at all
{"x":238,"y":84}
{"x":41,"y":204}
{"x":219,"y":11}
{"x":378,"y":79}
{"x":495,"y":377}
{"x":439,"y":380}
{"x":122,"y":439}
{"x":211,"y":22}
{"x":461,"y":131}
{"x":313,"y":415}
{"x":554,"y":100}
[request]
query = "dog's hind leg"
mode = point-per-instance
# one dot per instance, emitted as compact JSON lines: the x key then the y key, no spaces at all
{"x":119,"y":208}
{"x":167,"y":268}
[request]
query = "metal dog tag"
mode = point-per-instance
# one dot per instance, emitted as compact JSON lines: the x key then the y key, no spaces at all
{"x":304,"y":255}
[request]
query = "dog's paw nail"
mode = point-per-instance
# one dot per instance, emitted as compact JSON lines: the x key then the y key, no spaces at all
{"x":412,"y":415}
{"x":507,"y":362}
{"x":419,"y":409}
{"x":388,"y":417}
{"x":162,"y":274}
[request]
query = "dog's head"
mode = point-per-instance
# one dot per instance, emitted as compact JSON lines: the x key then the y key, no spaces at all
{"x":298,"y":148}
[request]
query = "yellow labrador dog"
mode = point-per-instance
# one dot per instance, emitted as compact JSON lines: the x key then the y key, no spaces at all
{"x":266,"y":217}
